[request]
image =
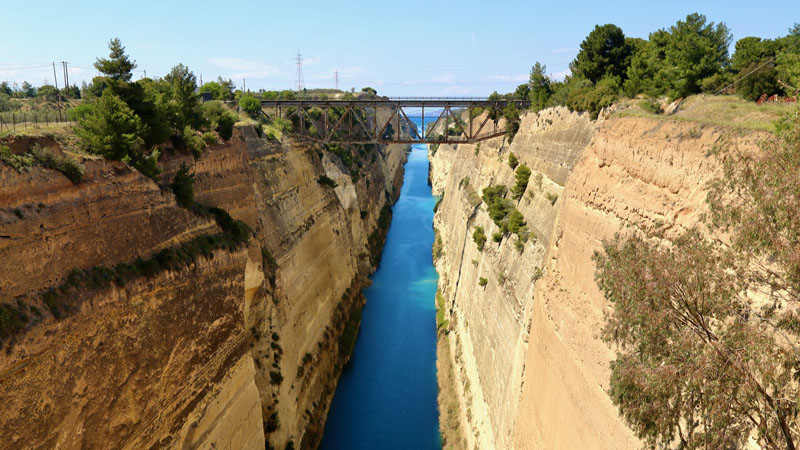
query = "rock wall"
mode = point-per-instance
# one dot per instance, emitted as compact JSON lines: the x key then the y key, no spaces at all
{"x":239,"y":350}
{"x":532,"y":370}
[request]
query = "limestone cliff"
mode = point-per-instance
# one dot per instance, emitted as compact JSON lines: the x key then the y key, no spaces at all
{"x":531,"y":371}
{"x":233,"y":350}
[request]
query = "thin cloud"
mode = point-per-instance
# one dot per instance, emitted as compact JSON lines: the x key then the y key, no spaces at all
{"x":244,"y":68}
{"x":508,"y":78}
{"x":444,"y":78}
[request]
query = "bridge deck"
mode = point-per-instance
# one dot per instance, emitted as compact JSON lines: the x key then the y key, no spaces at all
{"x":400,"y":102}
{"x":353,"y":127}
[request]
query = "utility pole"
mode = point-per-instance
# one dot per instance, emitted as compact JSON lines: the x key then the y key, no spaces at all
{"x":336,"y":75}
{"x":58,"y":95}
{"x":301,"y":84}
{"x":66,"y":78}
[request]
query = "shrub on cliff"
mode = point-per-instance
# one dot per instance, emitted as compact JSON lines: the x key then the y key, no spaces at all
{"x":65,"y":164}
{"x":220,"y":119}
{"x":183,"y":186}
{"x":324,"y":180}
{"x":512,"y":160}
{"x":523,"y":174}
{"x":479,"y":237}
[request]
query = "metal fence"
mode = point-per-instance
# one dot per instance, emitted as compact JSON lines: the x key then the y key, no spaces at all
{"x":22,"y":120}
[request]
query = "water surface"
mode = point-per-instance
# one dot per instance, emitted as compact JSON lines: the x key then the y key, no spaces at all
{"x":386,"y":397}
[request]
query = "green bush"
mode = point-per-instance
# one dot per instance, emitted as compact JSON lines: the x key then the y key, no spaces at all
{"x":516,"y":222}
{"x":250,"y":104}
{"x":479,"y":237}
{"x":65,"y":164}
{"x":325,"y":181}
{"x":40,"y":156}
{"x":111,"y":129}
{"x":220,"y":118}
{"x":19,"y":162}
{"x":275,"y":378}
{"x":650,"y":106}
{"x":193,"y":142}
{"x":148,"y":165}
{"x":183,"y":186}
{"x":497,"y":237}
{"x":512,"y":160}
{"x":12,"y":320}
{"x":482,"y":281}
{"x":552,"y":197}
{"x":523,"y":174}
{"x":209,"y":138}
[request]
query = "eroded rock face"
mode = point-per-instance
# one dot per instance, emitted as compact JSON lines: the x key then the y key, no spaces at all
{"x":226,"y":353}
{"x":532,"y":369}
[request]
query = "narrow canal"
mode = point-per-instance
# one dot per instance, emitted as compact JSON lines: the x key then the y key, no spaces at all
{"x":386,"y":398}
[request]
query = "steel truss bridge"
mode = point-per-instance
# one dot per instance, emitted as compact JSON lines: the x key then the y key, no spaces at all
{"x":377,"y":121}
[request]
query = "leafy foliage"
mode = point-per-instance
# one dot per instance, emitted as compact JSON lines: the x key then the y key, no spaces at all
{"x":699,"y":362}
{"x":678,"y":60}
{"x":219,"y":118}
{"x":183,"y":186}
{"x":479,"y":237}
{"x":522,"y":175}
{"x":250,"y":105}
{"x":512,"y":160}
{"x":540,"y":87}
{"x":111,"y":128}
{"x":604,"y":53}
{"x":323,"y":180}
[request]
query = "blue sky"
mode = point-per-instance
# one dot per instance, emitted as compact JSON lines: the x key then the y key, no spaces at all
{"x":405,"y":47}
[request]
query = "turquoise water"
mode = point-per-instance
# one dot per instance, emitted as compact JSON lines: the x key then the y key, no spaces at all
{"x":386,"y":397}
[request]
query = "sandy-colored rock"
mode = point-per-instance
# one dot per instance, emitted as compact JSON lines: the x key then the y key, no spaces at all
{"x":186,"y":358}
{"x":526,"y":346}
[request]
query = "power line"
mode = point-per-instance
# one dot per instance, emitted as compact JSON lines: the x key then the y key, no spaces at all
{"x":769,"y":61}
{"x":25,"y":68}
{"x":336,"y":75}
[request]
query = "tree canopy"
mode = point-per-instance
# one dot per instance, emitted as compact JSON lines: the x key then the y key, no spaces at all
{"x":605,"y":52}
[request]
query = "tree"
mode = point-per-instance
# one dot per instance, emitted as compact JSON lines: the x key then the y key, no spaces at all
{"x":677,"y":61}
{"x":5,"y":88}
{"x":701,"y":363}
{"x":48,"y":92}
{"x":183,"y":186}
{"x":219,"y":90}
{"x":604,"y":52}
{"x":118,"y":65}
{"x":788,"y":58}
{"x":540,"y":87}
{"x":250,"y":104}
{"x":183,"y":85}
{"x":28,"y":91}
{"x":111,"y":129}
{"x":369,"y":90}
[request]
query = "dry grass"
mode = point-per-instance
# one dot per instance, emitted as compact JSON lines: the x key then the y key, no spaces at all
{"x":724,"y":111}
